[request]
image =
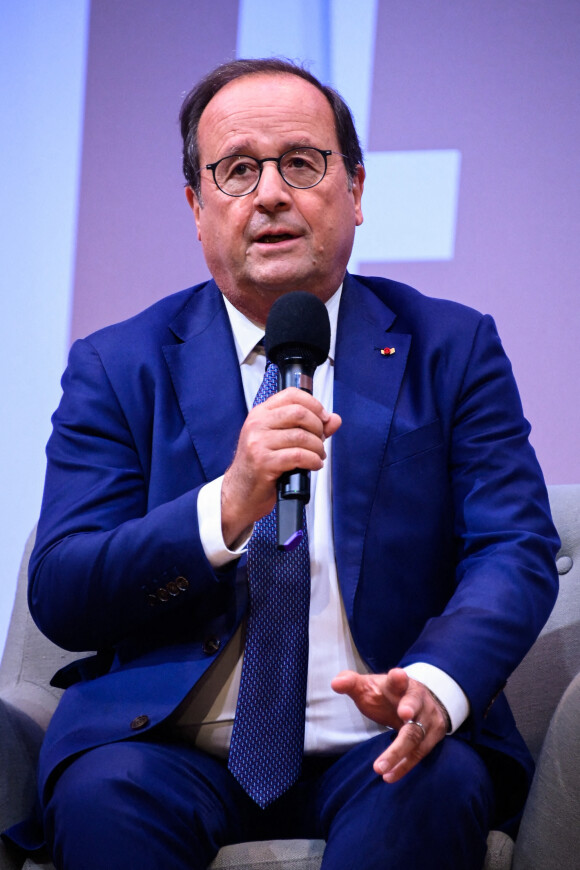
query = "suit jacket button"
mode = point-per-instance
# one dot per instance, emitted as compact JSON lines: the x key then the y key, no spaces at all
{"x":162,"y":594}
{"x":182,"y":583}
{"x":139,"y":722}
{"x":173,"y":588}
{"x":211,"y":645}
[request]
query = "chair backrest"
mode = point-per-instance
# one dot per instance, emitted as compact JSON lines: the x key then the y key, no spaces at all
{"x":30,"y":659}
{"x":536,"y":686}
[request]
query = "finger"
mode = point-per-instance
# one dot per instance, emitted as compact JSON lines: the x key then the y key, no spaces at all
{"x":412,"y":694}
{"x":398,"y":681}
{"x":294,"y":396}
{"x":273,"y":445}
{"x":411,"y":705}
{"x":293,"y":416}
{"x":332,"y":425}
{"x":405,"y":752}
{"x":344,"y":683}
{"x":400,"y":769}
{"x":330,"y":421}
{"x":280,"y":440}
{"x":285,"y":459}
{"x":285,"y":416}
{"x":370,"y":694}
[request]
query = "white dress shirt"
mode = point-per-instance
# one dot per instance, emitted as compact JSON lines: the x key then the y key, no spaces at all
{"x":333,"y":722}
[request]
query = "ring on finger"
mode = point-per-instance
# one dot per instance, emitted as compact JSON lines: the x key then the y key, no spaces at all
{"x":419,"y":724}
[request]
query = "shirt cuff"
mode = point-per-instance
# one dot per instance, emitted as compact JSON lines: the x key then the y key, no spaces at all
{"x":209,"y":518}
{"x":443,"y":687}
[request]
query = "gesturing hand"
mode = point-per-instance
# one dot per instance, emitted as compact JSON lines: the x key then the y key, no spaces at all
{"x":286,"y":431}
{"x":393,"y":699}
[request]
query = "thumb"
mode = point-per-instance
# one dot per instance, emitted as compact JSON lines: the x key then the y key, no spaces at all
{"x":344,"y":683}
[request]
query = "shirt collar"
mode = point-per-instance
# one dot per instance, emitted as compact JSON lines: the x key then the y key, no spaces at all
{"x":247,"y":335}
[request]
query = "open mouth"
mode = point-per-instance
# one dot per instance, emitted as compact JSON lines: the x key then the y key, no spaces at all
{"x":271,"y":239}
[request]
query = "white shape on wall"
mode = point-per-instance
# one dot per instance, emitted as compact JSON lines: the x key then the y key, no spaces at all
{"x":410,"y":198}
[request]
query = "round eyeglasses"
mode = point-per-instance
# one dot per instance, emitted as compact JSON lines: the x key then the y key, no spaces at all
{"x":240,"y":174}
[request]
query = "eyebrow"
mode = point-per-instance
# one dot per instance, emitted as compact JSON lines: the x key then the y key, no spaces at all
{"x":244,"y":147}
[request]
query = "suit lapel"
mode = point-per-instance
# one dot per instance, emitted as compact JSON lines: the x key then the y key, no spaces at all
{"x":206,"y":377}
{"x":366,"y":387}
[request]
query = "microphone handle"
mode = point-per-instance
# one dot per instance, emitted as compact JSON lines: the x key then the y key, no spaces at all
{"x":293,"y":486}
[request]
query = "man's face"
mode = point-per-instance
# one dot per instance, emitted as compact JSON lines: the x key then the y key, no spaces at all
{"x":277,"y":238}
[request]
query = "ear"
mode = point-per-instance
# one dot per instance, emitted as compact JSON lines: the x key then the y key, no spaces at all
{"x":193,"y":202}
{"x":358,"y":183}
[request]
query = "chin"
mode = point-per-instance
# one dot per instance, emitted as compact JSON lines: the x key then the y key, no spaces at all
{"x":287,"y":280}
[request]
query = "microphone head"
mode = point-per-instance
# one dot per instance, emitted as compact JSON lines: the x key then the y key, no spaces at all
{"x":298,"y":324}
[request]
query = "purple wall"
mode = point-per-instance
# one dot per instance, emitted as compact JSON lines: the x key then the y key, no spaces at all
{"x":497,"y":81}
{"x":136,"y":237}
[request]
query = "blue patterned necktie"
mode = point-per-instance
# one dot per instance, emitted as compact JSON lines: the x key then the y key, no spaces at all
{"x":268,"y":736}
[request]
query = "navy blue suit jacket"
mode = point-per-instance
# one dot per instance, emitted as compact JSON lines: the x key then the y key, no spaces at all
{"x":444,"y":543}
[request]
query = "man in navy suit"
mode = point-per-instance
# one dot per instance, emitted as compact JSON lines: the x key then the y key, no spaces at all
{"x":431,"y":544}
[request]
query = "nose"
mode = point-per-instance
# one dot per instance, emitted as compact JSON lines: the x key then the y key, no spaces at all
{"x":272,"y":192}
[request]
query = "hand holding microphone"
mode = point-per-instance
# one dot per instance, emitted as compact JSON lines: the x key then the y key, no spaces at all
{"x":285,"y":435}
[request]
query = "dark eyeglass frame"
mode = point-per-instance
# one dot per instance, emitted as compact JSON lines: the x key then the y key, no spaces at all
{"x":324,"y":153}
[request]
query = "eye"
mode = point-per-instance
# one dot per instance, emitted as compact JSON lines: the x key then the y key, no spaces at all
{"x":298,"y":162}
{"x":241,"y":168}
{"x":237,"y":166}
{"x":303,"y":167}
{"x":237,"y":174}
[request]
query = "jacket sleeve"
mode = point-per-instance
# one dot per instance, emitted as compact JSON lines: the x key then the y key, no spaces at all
{"x":105,"y":555}
{"x":506,"y":578}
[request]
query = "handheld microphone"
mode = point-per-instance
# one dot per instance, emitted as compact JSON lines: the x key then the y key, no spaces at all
{"x":297,"y":339}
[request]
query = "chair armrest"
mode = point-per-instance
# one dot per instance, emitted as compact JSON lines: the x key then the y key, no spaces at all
{"x":500,"y":850}
{"x":549,"y":834}
{"x":20,"y":739}
{"x":34,"y":701}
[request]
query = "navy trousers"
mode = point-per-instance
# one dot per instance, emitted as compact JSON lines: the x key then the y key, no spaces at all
{"x":168,"y":806}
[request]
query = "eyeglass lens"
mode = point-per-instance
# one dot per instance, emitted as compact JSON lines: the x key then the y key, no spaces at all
{"x":239,"y":174}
